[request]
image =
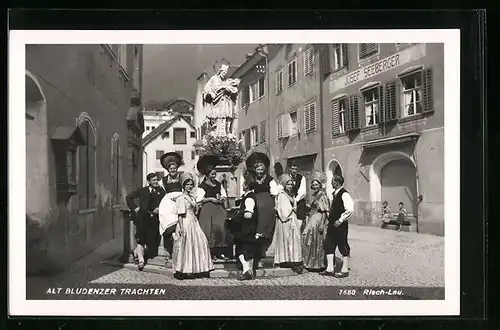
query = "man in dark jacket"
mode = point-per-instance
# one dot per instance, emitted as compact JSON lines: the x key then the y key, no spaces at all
{"x":147,"y":223}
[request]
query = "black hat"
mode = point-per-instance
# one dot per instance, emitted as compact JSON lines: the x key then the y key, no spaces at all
{"x":170,"y":157}
{"x":207,"y":162}
{"x":257,"y":157}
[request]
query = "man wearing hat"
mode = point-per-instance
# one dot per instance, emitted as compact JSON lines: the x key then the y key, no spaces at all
{"x":170,"y":161}
{"x":147,"y":235}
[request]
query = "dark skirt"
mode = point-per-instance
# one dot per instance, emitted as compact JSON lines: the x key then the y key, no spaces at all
{"x":212,"y":221}
{"x":301,"y":209}
{"x":266,"y":213}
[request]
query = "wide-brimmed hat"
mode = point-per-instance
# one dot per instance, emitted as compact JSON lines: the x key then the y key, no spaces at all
{"x":320,"y":177}
{"x":256,"y":158}
{"x":206,"y":163}
{"x":169,"y":158}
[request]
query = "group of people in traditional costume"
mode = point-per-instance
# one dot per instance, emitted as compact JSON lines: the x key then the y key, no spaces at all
{"x":192,"y":219}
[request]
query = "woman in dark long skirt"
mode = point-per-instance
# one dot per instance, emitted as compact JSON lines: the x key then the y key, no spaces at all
{"x":266,"y":190}
{"x":211,"y":196}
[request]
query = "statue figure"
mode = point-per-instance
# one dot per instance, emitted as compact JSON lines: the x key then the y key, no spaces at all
{"x":219,"y":100}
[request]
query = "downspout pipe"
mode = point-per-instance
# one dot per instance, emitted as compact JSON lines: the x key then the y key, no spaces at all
{"x":321,"y":124}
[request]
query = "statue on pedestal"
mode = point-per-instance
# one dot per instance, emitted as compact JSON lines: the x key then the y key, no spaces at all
{"x":219,"y":100}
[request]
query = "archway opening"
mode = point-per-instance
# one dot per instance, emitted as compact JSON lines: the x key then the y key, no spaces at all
{"x":399,"y":184}
{"x":334,"y":168}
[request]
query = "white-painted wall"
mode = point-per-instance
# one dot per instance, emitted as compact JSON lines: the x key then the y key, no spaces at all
{"x":151,"y":164}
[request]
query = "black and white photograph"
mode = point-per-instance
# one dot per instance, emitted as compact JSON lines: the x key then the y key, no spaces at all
{"x":241,"y":173}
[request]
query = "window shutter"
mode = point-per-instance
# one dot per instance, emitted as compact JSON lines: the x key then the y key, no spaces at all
{"x":325,"y":60}
{"x":312,"y":116}
{"x":366,"y":50}
{"x":247,"y":139}
{"x":346,"y":57}
{"x":285,"y":125}
{"x":428,"y":105}
{"x":391,"y":104}
{"x":256,"y":138}
{"x":279,"y":127}
{"x":262,"y":131}
{"x":308,"y":61}
{"x":353,"y":112}
{"x":381,"y":104}
{"x":335,"y":117}
{"x":307,"y":119}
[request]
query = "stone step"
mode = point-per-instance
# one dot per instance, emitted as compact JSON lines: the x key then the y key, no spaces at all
{"x":406,"y":228}
{"x":222,"y":270}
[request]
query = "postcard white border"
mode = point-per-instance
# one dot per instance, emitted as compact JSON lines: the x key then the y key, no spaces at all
{"x":18,"y":305}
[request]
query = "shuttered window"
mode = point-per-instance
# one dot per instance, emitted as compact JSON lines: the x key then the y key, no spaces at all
{"x":308,"y":61}
{"x":339,"y":56}
{"x":310,"y":117}
{"x":326,"y":62}
{"x":367,"y":50}
{"x":279,"y":127}
{"x":339,"y":107}
{"x":428,"y":90}
{"x":374,"y":105}
{"x":180,"y":136}
{"x":247,"y":139}
{"x":245,"y":96}
{"x":261,"y":86}
{"x":262,"y":131}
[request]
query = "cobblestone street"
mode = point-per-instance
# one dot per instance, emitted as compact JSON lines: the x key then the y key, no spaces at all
{"x":379,"y":258}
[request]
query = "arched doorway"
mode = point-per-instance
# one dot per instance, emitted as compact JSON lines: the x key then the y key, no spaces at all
{"x":334,"y":168}
{"x":399,"y":184}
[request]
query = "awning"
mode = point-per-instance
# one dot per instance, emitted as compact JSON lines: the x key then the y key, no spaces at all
{"x":391,"y":140}
{"x":68,"y":133}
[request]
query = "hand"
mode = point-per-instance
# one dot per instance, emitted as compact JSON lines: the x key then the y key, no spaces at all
{"x":247,"y":215}
{"x":257,"y":235}
{"x":337,"y":223}
{"x":136,"y":209}
{"x":321,"y":230}
{"x":156,"y":210}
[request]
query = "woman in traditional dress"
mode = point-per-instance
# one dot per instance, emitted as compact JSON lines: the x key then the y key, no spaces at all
{"x":287,"y":235}
{"x":211,"y":196}
{"x":266,"y":190}
{"x":191,"y":257}
{"x":243,"y":227}
{"x":171,"y":161}
{"x":314,"y":232}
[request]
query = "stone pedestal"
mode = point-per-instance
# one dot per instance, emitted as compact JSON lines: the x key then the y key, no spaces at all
{"x":129,"y":242}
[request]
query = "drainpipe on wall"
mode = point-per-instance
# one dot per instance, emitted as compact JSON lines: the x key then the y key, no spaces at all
{"x":265,"y":54}
{"x":417,"y":177}
{"x":321,"y":127}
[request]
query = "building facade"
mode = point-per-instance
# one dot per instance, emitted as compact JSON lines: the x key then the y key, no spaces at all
{"x":156,"y":113}
{"x":83,"y":130}
{"x":384,"y":128}
{"x":178,"y":135}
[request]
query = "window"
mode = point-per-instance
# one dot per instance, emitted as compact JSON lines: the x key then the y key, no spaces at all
{"x":411,"y":102}
{"x":339,"y":56}
{"x":261,"y":86}
{"x":180,"y":153}
{"x":245,"y":96}
{"x":352,"y":115}
{"x":116,"y":168}
{"x":279,"y":81}
{"x":87,"y":167}
{"x":293,"y":121}
{"x":180,"y":136}
{"x":254,"y":87}
{"x":193,"y":154}
{"x":153,"y":127}
{"x":248,"y":141}
{"x":159,"y":153}
{"x":160,"y":175}
{"x":147,"y":128}
{"x":279,"y":127}
{"x":308,"y":61}
{"x":166,"y":135}
{"x":310,"y":117}
{"x":292,"y":72}
{"x":262,"y":131}
{"x":339,"y":108}
{"x":371,"y":101}
{"x":193,"y":135}
{"x":254,"y":133}
{"x":367,"y":50}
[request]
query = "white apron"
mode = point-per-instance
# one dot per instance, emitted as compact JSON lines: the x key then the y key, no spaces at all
{"x":166,"y":213}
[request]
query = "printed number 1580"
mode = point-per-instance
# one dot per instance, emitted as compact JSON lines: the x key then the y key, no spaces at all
{"x":347,"y":292}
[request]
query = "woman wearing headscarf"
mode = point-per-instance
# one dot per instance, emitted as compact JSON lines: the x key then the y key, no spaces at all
{"x":243,"y":228}
{"x":211,"y":196}
{"x":191,"y":257}
{"x":266,"y":190}
{"x":287,"y":235}
{"x":170,"y":161}
{"x":313,"y":234}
